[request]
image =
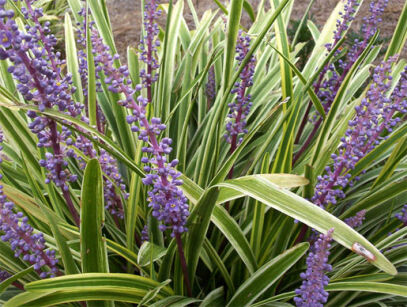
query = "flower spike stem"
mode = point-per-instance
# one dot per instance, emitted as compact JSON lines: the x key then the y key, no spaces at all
{"x":55,"y":143}
{"x":183,"y":263}
{"x":240,"y":108}
{"x":57,"y":151}
{"x":301,"y":235}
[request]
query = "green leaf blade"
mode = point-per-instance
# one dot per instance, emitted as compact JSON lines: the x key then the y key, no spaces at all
{"x":259,"y":282}
{"x":306,"y":212}
{"x":93,"y":245}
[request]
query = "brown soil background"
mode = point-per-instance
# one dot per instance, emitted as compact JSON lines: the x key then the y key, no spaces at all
{"x":126,"y":21}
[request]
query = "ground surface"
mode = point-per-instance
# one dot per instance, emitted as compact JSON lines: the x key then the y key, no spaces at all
{"x":125,"y":16}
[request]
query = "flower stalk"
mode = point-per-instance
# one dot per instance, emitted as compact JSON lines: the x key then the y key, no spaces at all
{"x":240,"y":108}
{"x":312,"y":291}
{"x":169,"y":204}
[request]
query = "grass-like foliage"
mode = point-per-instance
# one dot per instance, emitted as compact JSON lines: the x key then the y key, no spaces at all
{"x":220,"y":166}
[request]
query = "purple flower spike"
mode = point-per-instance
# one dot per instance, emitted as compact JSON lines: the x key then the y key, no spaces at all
{"x":342,"y":24}
{"x":327,"y":89}
{"x":357,"y":220}
{"x":210,"y":90}
{"x":312,"y":291}
{"x":144,"y":234}
{"x":149,"y":44}
{"x":371,"y":22}
{"x":37,"y":69}
{"x":168,"y":202}
{"x":402,"y":216}
{"x":83,"y":67}
{"x":240,"y":108}
{"x":25,"y":243}
{"x":113,"y":203}
{"x":369,"y":27}
{"x":373,"y":116}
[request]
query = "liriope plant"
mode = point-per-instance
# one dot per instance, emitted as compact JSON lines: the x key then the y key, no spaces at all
{"x":202,"y":168}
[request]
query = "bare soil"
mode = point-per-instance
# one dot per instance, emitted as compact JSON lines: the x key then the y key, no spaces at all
{"x":126,"y":20}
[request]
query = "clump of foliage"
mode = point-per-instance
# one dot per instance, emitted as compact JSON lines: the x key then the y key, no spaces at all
{"x":211,"y":169}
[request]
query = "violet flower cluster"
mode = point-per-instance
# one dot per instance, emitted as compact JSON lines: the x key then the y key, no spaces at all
{"x":37,"y":68}
{"x":148,"y":45}
{"x":357,"y":220}
{"x":210,"y":89}
{"x":113,"y":179}
{"x":30,"y":245}
{"x":167,"y":201}
{"x":373,"y":116}
{"x":328,"y":89}
{"x":402,"y":215}
{"x":39,"y":82}
{"x":83,"y":67}
{"x":240,"y":108}
{"x":166,"y":198}
{"x":369,"y":27}
{"x":312,"y":291}
{"x":325,"y":88}
{"x":342,"y":24}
